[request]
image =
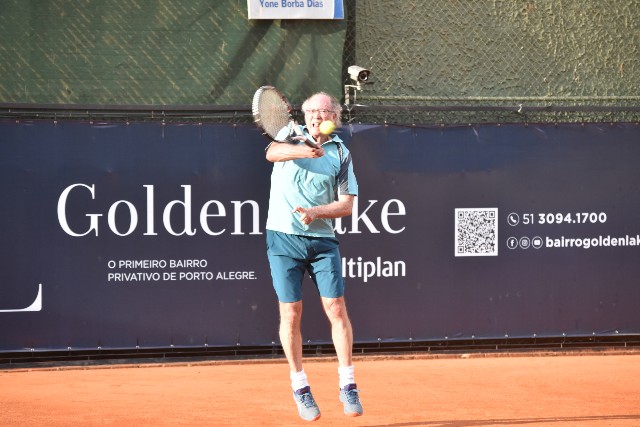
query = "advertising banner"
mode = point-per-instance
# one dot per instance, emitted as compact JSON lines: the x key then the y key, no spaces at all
{"x":125,"y":235}
{"x":295,"y":9}
{"x":502,"y":230}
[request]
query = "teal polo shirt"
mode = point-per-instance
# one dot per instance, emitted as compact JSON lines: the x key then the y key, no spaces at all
{"x":307,"y":183}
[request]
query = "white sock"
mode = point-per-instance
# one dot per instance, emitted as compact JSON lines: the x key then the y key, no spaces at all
{"x":346,"y":376}
{"x":298,"y":380}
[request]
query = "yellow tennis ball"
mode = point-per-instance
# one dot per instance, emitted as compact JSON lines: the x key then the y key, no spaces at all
{"x":327,"y":127}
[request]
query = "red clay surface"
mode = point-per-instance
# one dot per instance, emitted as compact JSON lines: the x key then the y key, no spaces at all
{"x":593,"y":389}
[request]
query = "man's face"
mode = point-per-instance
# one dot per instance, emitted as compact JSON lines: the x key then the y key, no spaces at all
{"x":318,"y":110}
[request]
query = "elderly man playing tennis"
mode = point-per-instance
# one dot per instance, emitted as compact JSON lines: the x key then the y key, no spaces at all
{"x":309,"y":188}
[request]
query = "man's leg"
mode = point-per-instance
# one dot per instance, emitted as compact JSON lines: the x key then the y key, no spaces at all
{"x":291,"y":339}
{"x":290,"y":334}
{"x":341,"y":331}
{"x":342,"y":334}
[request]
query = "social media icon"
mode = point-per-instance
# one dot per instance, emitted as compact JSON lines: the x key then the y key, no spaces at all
{"x":536,"y":242}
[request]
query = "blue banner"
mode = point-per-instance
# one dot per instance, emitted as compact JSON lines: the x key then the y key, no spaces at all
{"x":120,"y":235}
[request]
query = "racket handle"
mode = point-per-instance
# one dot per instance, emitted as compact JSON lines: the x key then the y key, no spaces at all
{"x":310,"y":143}
{"x":298,"y":130}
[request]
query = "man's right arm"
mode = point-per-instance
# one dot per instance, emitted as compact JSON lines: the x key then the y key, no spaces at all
{"x":283,"y":151}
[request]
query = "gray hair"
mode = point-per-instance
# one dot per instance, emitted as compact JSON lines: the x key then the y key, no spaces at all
{"x":335,"y":105}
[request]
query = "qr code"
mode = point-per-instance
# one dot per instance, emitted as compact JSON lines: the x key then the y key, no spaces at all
{"x":476,"y":232}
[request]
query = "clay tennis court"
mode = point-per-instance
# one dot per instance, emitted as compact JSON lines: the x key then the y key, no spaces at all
{"x":554,"y":389}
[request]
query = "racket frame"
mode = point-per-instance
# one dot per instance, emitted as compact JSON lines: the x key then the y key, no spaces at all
{"x":294,"y":127}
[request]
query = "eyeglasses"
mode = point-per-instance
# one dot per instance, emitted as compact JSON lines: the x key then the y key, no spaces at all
{"x":323,"y":113}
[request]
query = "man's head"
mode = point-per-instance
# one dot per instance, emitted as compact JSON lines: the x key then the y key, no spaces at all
{"x":320,"y":107}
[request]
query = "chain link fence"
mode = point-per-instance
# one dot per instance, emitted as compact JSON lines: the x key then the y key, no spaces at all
{"x":431,"y":61}
{"x":470,"y":61}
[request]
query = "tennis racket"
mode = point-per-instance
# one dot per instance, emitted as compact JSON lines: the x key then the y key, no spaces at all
{"x":272,"y":112}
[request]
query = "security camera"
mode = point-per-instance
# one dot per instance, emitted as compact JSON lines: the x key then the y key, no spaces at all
{"x":359,"y":74}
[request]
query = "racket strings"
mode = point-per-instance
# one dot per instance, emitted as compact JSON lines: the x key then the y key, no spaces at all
{"x":273,"y":112}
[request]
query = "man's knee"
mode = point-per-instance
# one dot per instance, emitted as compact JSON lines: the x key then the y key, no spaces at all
{"x":335,"y":308}
{"x":290,"y":312}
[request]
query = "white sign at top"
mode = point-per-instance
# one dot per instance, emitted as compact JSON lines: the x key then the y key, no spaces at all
{"x":295,"y":9}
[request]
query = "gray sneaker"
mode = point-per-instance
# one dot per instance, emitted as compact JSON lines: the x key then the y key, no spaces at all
{"x":349,"y":397}
{"x":307,"y":407}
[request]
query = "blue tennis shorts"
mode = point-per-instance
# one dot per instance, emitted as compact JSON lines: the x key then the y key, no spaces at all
{"x":290,"y":256}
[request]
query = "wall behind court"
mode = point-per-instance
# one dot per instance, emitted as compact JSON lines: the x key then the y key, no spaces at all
{"x":422,"y":53}
{"x":433,"y":62}
{"x":120,"y":235}
{"x":159,"y":52}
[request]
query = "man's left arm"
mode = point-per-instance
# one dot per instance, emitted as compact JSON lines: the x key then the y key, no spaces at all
{"x":341,"y":207}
